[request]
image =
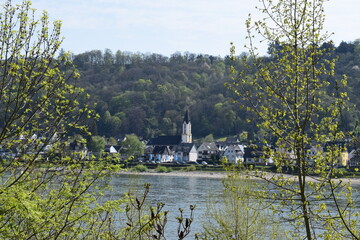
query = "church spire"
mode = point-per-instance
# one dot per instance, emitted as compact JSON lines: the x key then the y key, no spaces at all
{"x":186,"y":136}
{"x":187,"y":117}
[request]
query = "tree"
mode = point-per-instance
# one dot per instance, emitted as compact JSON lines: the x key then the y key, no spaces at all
{"x":42,"y":197}
{"x":345,"y":47}
{"x":110,"y":125}
{"x":238,"y":215}
{"x":132,"y":146}
{"x":287,"y":91}
{"x":97,"y":144}
{"x":108,"y":58}
{"x":209,"y":138}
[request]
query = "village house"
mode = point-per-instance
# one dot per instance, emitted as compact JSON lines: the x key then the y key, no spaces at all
{"x":162,"y":154}
{"x":354,"y":161}
{"x":255,"y":155}
{"x":313,"y":151}
{"x":235,"y":153}
{"x":208,"y":151}
{"x":110,"y":149}
{"x":185,"y":152}
{"x":343,"y":158}
{"x":354,"y":154}
{"x":77,"y":148}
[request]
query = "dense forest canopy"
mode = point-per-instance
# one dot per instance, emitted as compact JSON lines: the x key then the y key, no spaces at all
{"x":147,"y":94}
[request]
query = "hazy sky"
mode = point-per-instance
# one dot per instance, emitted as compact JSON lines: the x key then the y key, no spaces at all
{"x":167,"y":26}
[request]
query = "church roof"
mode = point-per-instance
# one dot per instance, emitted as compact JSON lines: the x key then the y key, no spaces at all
{"x":208,"y":146}
{"x":161,"y":150}
{"x":184,"y":147}
{"x":165,"y":141}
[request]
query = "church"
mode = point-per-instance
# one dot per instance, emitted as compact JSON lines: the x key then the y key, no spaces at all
{"x":179,"y":149}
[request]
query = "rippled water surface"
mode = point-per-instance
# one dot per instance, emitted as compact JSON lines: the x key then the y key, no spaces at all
{"x":179,"y":192}
{"x":175,"y":191}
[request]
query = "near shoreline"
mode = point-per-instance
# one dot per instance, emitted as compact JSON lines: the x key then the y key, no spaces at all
{"x":198,"y":174}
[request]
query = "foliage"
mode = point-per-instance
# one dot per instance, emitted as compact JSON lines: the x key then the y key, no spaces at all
{"x":96,"y":144}
{"x":132,"y":146}
{"x":238,"y":214}
{"x":300,"y":104}
{"x":112,"y":141}
{"x":208,"y":138}
{"x":147,"y":94}
{"x":40,"y":105}
{"x":140,"y":168}
{"x":190,"y":168}
{"x":127,"y":92}
{"x":162,"y":169}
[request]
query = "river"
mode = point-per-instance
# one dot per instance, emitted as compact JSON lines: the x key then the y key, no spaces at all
{"x":177,"y":192}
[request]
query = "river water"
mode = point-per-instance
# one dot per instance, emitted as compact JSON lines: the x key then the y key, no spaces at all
{"x":175,"y":191}
{"x":178,"y":192}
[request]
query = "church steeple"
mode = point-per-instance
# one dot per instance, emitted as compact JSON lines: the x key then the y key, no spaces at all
{"x":186,"y":136}
{"x":187,"y":117}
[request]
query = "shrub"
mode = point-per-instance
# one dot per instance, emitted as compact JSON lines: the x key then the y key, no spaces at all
{"x":162,"y":169}
{"x":140,"y":168}
{"x":190,"y":168}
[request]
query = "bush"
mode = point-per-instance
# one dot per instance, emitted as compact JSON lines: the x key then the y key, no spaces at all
{"x":162,"y":169}
{"x":190,"y":168}
{"x":140,"y":168}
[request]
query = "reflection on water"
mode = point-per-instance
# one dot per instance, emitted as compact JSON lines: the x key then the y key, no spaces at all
{"x":175,"y":191}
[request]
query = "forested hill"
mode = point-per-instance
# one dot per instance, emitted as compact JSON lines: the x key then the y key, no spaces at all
{"x":147,"y":94}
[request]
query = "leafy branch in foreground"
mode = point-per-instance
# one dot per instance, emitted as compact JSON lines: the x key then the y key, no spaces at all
{"x":47,"y":191}
{"x":44,"y":193}
{"x":238,"y":214}
{"x":299,"y":102}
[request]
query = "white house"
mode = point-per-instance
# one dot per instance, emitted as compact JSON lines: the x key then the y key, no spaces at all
{"x":208,"y":151}
{"x":185,"y":152}
{"x":234,"y":153}
{"x":110,"y":149}
{"x":163,"y":154}
{"x":313,"y":151}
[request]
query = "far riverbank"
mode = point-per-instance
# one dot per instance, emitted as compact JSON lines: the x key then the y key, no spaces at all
{"x":216,"y":174}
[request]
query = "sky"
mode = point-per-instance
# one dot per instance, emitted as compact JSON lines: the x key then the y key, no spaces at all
{"x":169,"y":26}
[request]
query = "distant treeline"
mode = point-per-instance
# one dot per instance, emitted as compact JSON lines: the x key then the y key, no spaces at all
{"x":147,"y":94}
